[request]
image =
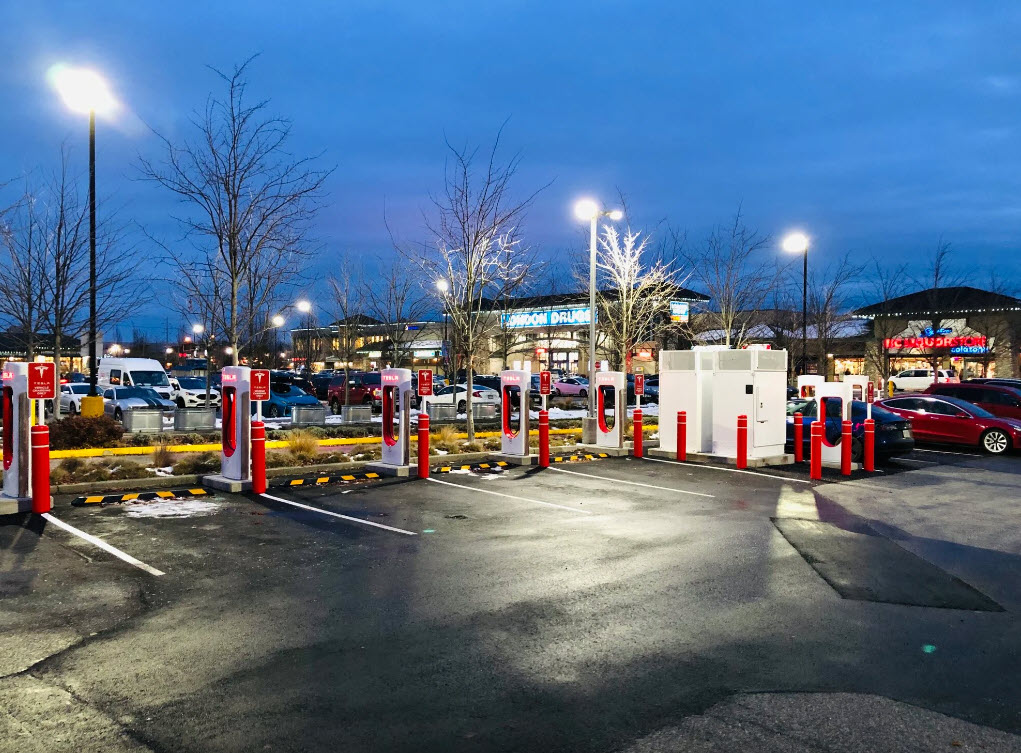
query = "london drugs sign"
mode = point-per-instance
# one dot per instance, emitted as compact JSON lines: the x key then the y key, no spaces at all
{"x":935,"y":343}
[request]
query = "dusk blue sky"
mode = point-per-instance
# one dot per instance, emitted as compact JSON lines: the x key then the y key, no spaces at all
{"x":877,"y":127}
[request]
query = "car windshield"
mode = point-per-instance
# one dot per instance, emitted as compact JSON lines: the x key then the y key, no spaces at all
{"x":192,"y":383}
{"x":80,"y":389}
{"x":123,"y":392}
{"x":150,"y":378}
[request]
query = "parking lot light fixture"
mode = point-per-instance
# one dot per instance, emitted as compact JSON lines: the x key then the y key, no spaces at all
{"x":85,"y":92}
{"x":198,"y":329}
{"x":587,"y":210}
{"x":304,"y":306}
{"x":797,"y":243}
{"x":278,"y":321}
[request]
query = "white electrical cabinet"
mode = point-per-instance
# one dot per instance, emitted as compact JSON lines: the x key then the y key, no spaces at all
{"x":751,"y":383}
{"x":686,"y":384}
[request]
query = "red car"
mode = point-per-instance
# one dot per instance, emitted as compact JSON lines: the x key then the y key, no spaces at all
{"x":1004,"y":402}
{"x":948,"y":420}
{"x":364,"y":390}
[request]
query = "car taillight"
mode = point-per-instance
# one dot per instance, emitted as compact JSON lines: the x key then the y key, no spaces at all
{"x":376,"y":391}
{"x":476,"y":393}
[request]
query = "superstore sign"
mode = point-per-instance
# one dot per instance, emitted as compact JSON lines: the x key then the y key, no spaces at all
{"x":546,"y":318}
{"x":967,"y":343}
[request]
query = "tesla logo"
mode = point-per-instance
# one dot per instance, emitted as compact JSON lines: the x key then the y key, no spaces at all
{"x":511,"y":379}
{"x":42,"y":381}
{"x":391,"y":378}
{"x":40,"y":370}
{"x":230,"y":378}
{"x":8,"y":376}
{"x":258,"y":376}
{"x":260,"y":384}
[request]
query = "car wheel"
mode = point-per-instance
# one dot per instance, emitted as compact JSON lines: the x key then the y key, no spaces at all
{"x":555,"y":393}
{"x":118,"y":415}
{"x":335,"y":406}
{"x":72,"y":409}
{"x":462,"y":407}
{"x":857,"y":451}
{"x":583,"y":393}
{"x":180,"y":402}
{"x":273,"y":412}
{"x":367,"y":401}
{"x":995,"y":442}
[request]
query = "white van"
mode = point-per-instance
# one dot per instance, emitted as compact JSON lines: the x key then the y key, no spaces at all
{"x":134,"y":372}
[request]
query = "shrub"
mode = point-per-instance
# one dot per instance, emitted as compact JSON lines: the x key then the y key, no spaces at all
{"x":471,"y":447}
{"x":205,"y":462}
{"x":279,"y":459}
{"x":75,"y":432}
{"x":161,"y":457}
{"x":303,"y":445}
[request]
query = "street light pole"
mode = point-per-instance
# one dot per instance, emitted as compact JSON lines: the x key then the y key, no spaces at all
{"x":804,"y":310}
{"x":587,"y":209}
{"x":93,"y":368}
{"x":797,"y":243}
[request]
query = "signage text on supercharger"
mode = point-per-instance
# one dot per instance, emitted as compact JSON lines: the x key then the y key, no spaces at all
{"x":425,"y":382}
{"x":42,"y":381}
{"x":260,"y":385}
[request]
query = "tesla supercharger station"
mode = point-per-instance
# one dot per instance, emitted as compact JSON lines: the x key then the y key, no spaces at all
{"x":235,"y":430}
{"x":396,"y":399}
{"x":685,"y":384}
{"x":751,"y":383}
{"x":807,"y":384}
{"x":611,"y":395}
{"x":514,"y":434}
{"x":17,"y":417}
{"x":828,"y":391}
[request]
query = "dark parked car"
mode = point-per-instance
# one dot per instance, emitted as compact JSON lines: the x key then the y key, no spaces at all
{"x":893,"y":433}
{"x":948,"y":420}
{"x":998,"y":381}
{"x":1004,"y":402}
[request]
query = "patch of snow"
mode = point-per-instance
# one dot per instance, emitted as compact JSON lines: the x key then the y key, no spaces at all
{"x":442,"y":452}
{"x":167,"y":470}
{"x":173,"y":508}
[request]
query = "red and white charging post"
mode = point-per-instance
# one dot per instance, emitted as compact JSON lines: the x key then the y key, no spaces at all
{"x":638,"y":435}
{"x":545,"y":387}
{"x":259,"y":392}
{"x":425,"y":389}
{"x":42,"y":386}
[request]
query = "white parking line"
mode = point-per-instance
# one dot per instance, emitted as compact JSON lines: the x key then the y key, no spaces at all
{"x":338,"y":515}
{"x":729,"y":470}
{"x":947,"y":452}
{"x":102,"y":545}
{"x":510,"y":496}
{"x":912,"y":460}
{"x":633,"y":483}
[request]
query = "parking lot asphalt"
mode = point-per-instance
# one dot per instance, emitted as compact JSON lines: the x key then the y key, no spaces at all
{"x":604,"y":605}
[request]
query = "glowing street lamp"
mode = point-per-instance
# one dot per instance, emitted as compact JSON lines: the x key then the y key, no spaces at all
{"x":797,"y":243}
{"x":85,"y":91}
{"x":587,"y":210}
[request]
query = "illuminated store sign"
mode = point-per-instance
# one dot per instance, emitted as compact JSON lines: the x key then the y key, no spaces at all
{"x":937,"y":343}
{"x":547,"y":318}
{"x":678,"y":311}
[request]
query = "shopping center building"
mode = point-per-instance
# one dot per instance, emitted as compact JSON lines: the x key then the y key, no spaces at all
{"x":975,"y":332}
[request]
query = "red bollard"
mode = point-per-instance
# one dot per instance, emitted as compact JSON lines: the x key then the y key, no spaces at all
{"x":638,"y":433}
{"x":869,"y":459}
{"x":799,"y":438}
{"x":258,"y":457}
{"x":815,"y":452}
{"x":423,"y":445}
{"x":845,"y":448}
{"x":544,"y":439}
{"x":682,"y":436}
{"x":40,"y":469}
{"x":742,"y":441}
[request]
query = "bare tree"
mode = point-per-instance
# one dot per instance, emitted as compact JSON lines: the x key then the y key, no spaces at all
{"x":941,"y":284}
{"x":476,"y":246}
{"x":637,"y":290}
{"x":348,"y":288}
{"x":739,"y":279}
{"x":23,"y":302}
{"x":887,"y":284}
{"x":827,"y":296}
{"x":249,"y":202}
{"x":67,"y":276}
{"x":397,"y":301}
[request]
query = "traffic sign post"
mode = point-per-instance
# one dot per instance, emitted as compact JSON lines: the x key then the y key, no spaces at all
{"x":259,"y":390}
{"x":639,"y":388}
